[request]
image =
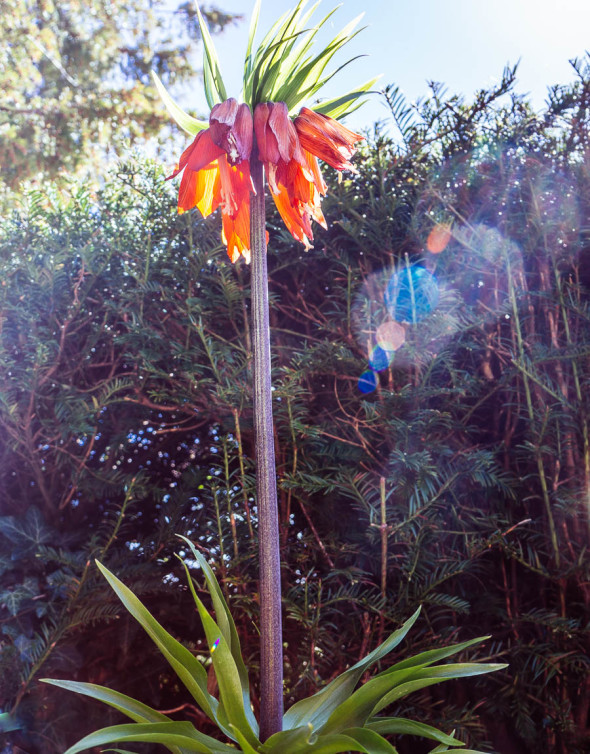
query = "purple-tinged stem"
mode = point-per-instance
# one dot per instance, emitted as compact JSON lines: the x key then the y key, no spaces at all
{"x":271,"y":635}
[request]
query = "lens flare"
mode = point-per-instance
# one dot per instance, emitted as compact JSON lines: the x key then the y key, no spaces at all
{"x":215,"y":645}
{"x":380,"y":358}
{"x":438,"y":238}
{"x":411,"y":294}
{"x":390,"y":335}
{"x":367,"y":381}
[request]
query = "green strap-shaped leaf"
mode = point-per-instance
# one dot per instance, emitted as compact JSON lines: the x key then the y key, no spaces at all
{"x":356,"y":709}
{"x":186,"y":666}
{"x":306,"y":80}
{"x":430,"y":676}
{"x":286,"y":54}
{"x":169,"y":734}
{"x":228,"y":629}
{"x":214,"y":86}
{"x":247,"y":748}
{"x":424,"y":659}
{"x":335,"y":745}
{"x":381,"y":691}
{"x":270,"y":49}
{"x":249,"y":82}
{"x":317,"y":709}
{"x":251,"y":34}
{"x":127,"y":705}
{"x":403,"y":726}
{"x":231,"y":712}
{"x":134,"y":709}
{"x":189,"y":124}
{"x":347,"y":103}
{"x":291,"y":741}
{"x":222,"y":612}
{"x":282,"y":69}
{"x":303,"y":740}
{"x":371,"y":740}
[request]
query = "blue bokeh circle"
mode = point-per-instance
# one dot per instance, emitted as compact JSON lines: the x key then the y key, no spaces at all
{"x":411,"y":294}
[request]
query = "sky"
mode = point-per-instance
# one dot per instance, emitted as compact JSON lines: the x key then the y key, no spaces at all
{"x":464,"y":43}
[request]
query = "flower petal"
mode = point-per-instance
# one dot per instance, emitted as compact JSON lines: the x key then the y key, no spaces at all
{"x":201,"y":190}
{"x":280,"y":124}
{"x":327,"y":139}
{"x":231,"y":129}
{"x":204,"y":152}
{"x":208,"y":193}
{"x":243,"y":132}
{"x":236,"y":186}
{"x":268,"y":149}
{"x":294,"y":216}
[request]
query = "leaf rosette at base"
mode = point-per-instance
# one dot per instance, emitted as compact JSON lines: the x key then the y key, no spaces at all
{"x":341,"y":717}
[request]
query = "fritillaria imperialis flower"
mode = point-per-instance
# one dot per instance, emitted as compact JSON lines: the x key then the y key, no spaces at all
{"x":217,"y":169}
{"x":217,"y":173}
{"x":278,"y":78}
{"x":294,"y":177}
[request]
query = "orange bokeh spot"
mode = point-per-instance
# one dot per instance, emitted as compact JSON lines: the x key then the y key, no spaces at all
{"x":438,"y":238}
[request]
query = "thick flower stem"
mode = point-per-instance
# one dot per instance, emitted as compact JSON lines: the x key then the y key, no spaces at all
{"x":271,"y":639}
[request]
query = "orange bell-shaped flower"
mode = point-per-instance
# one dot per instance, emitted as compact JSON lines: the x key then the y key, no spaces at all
{"x":327,"y":139}
{"x":216,"y":169}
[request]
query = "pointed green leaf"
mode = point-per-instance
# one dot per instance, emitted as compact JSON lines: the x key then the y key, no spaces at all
{"x":385,"y":689}
{"x":214,"y":86}
{"x":290,"y":56}
{"x":403,"y":726}
{"x":270,"y":50}
{"x":228,"y":630}
{"x":251,"y":35}
{"x":371,"y":740}
{"x":131,"y":707}
{"x":243,"y":741}
{"x":127,"y":705}
{"x":169,"y":734}
{"x":314,"y":70}
{"x":356,"y":709}
{"x":334,"y":745}
{"x":211,"y":93}
{"x":432,"y":675}
{"x":189,"y":124}
{"x":344,"y":105}
{"x":433,"y":655}
{"x":292,"y":741}
{"x":275,"y":71}
{"x":231,"y":711}
{"x":304,"y":81}
{"x":251,"y":79}
{"x":317,"y":709}
{"x":187,"y":667}
{"x":303,"y":740}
